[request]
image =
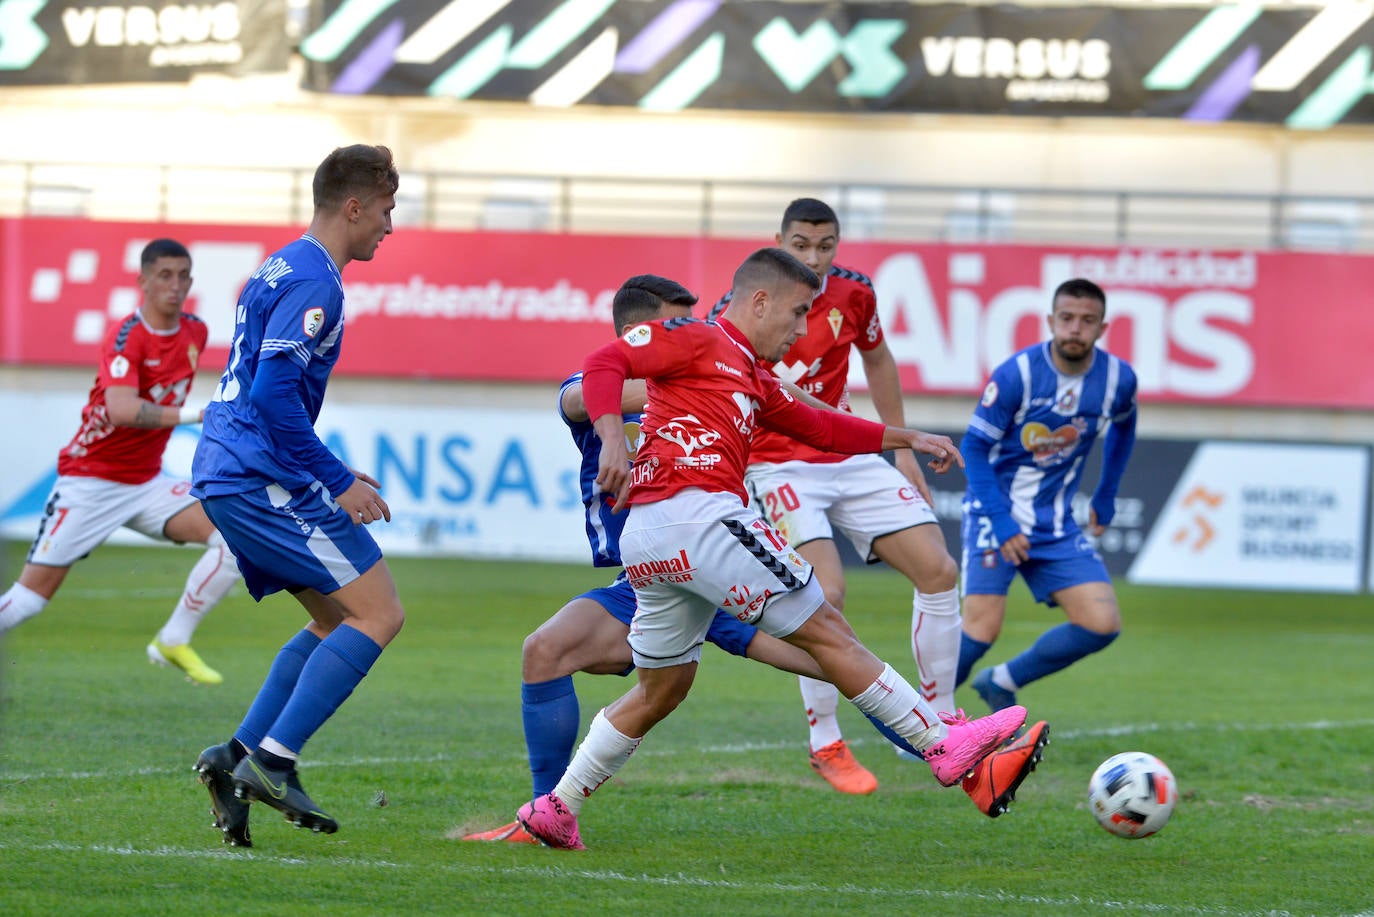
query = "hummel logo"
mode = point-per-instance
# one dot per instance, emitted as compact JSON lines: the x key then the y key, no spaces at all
{"x":277,"y":792}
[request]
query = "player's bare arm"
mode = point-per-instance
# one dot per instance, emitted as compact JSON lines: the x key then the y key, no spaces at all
{"x":632,"y":399}
{"x":613,"y":470}
{"x":126,"y":409}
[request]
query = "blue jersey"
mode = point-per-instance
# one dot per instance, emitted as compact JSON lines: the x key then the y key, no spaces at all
{"x":1031,"y":433}
{"x":603,"y":526}
{"x":290,"y":309}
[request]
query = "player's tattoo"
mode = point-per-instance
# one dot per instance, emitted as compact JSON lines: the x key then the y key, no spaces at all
{"x":149,"y":416}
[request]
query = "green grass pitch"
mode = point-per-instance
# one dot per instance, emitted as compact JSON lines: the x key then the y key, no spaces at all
{"x":1261,"y":703}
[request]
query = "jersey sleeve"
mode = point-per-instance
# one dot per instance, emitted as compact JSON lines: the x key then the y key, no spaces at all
{"x":297,"y":320}
{"x":650,"y":350}
{"x":121,"y":357}
{"x":832,"y":431}
{"x":574,"y":379}
{"x":1001,"y":398}
{"x":870,"y":328}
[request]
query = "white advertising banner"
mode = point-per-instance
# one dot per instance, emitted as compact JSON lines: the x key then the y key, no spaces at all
{"x":459,"y":481}
{"x":1263,"y":515}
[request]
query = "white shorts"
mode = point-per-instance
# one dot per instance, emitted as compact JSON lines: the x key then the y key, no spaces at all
{"x":864,"y":496}
{"x":695,"y":552}
{"x":82,"y":512}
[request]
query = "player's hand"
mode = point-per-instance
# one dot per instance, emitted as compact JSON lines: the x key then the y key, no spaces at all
{"x":362,"y":502}
{"x":1094,"y":527}
{"x":613,"y":469}
{"x":945,"y":455}
{"x":911,"y":470}
{"x":1016,"y":548}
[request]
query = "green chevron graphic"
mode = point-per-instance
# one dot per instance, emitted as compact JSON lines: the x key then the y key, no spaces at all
{"x":21,"y":41}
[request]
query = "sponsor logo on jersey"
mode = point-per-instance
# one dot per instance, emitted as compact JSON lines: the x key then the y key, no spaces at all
{"x":119,"y":367}
{"x":688,"y":433}
{"x":1049,"y":447}
{"x":638,"y":336}
{"x":312,"y":322}
{"x":989,"y":395}
{"x":643,"y":472}
{"x":793,"y":372}
{"x":677,"y":569}
{"x":748,"y":409}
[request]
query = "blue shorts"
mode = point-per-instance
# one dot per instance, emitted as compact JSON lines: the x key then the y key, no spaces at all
{"x":292,"y":540}
{"x":727,"y":632}
{"x":1053,"y":565}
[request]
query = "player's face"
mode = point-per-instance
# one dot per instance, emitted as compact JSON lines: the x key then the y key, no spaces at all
{"x":165,"y":285}
{"x":813,"y":244}
{"x":373,"y":224}
{"x":783,"y":320}
{"x":1076,"y":323}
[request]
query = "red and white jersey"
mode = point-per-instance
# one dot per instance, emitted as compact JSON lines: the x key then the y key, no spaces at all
{"x":707,"y":394}
{"x":159,"y":366}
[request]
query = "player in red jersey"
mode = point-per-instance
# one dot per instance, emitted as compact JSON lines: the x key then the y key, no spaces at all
{"x":691,"y":544}
{"x":110,"y":474}
{"x":885,"y":512}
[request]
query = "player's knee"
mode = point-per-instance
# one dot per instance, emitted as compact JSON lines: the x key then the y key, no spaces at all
{"x":941,"y":577}
{"x":538,"y":657}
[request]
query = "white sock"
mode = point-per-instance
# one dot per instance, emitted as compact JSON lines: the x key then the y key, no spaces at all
{"x":272,"y":746}
{"x":603,"y":752}
{"x":895,"y":703}
{"x":18,"y":605}
{"x":1001,"y":677}
{"x":935,"y":635}
{"x":822,"y":699}
{"x":210,"y":580}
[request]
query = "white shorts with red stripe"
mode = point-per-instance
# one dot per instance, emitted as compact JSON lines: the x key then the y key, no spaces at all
{"x":695,"y":552}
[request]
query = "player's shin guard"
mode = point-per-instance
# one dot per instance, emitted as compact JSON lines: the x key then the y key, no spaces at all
{"x":18,"y":605}
{"x":970,"y":651}
{"x":210,"y":580}
{"x":894,"y":702}
{"x":822,"y":700}
{"x":603,"y":752}
{"x":276,"y":688}
{"x":1057,"y":648}
{"x":550,"y":714}
{"x":936,"y":628}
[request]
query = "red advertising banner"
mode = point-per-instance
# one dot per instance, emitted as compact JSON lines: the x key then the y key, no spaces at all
{"x":1257,"y":328}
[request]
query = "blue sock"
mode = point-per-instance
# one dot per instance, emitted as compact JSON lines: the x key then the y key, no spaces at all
{"x":329,"y":676}
{"x":892,"y":737}
{"x":970,"y":651}
{"x":276,"y":688}
{"x":551,"y":716}
{"x":1057,"y":648}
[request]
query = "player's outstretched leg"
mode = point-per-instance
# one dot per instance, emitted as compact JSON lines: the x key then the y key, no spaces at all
{"x":970,"y":741}
{"x":992,"y":785}
{"x":215,"y":768}
{"x":280,"y":788}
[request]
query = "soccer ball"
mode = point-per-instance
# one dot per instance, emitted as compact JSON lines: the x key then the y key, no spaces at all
{"x":1132,"y":794}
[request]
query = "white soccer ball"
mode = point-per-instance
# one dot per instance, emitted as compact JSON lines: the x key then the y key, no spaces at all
{"x":1132,"y":794}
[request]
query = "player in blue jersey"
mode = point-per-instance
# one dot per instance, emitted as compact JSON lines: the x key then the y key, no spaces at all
{"x":1026,"y":445}
{"x":293,"y":514}
{"x":590,"y":633}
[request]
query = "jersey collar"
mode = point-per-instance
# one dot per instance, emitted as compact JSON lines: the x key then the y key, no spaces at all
{"x":737,"y":337}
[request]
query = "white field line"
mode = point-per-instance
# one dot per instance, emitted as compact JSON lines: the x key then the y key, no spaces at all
{"x":815,"y":890}
{"x":8,"y":777}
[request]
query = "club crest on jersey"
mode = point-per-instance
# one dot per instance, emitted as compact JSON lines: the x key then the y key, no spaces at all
{"x":193,"y":355}
{"x":1068,"y":401}
{"x":312,"y":322}
{"x":989,"y":395}
{"x":119,"y":367}
{"x":639,"y":335}
{"x":835,"y":319}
